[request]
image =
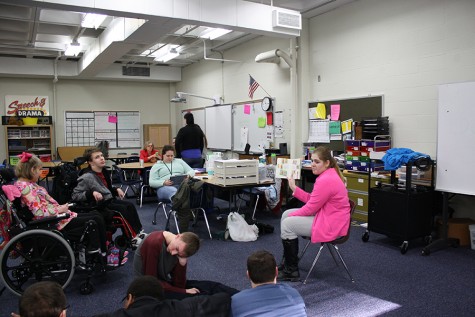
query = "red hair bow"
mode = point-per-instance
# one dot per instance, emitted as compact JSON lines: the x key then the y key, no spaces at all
{"x":25,"y":157}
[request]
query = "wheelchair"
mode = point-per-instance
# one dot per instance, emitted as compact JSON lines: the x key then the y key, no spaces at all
{"x":37,"y":251}
{"x":64,"y":182}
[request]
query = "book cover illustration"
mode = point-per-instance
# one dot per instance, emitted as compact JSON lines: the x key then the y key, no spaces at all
{"x":288,"y":168}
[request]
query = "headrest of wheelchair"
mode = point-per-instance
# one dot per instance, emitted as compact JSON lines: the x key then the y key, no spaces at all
{"x":7,"y":175}
{"x":78,"y":161}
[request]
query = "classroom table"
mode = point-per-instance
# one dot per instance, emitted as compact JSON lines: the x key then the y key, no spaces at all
{"x":118,"y":158}
{"x":233,"y":190}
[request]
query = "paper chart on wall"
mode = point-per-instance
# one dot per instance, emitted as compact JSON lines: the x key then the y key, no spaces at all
{"x":319,"y":131}
{"x":244,"y":137}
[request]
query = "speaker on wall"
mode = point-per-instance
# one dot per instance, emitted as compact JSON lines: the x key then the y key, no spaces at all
{"x":283,"y":148}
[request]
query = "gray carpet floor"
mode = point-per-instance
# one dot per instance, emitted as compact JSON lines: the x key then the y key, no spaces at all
{"x":387,"y":283}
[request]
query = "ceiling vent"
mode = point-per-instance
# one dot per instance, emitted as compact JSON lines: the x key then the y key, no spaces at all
{"x":135,"y":71}
{"x":287,"y":20}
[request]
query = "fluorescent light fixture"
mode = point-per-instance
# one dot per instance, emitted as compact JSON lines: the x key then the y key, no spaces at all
{"x":212,"y":33}
{"x":93,"y":20}
{"x":73,"y":49}
{"x":166,"y":53}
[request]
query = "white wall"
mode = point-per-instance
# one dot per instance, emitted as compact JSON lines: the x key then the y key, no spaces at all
{"x":151,"y":99}
{"x":231,"y":80}
{"x":403,"y":49}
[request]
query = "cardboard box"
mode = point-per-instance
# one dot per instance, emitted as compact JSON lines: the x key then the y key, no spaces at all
{"x":458,"y":228}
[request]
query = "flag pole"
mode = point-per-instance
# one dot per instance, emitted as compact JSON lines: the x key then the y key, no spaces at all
{"x":261,"y":87}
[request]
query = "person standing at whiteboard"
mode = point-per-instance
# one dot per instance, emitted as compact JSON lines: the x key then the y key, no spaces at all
{"x":190,"y":142}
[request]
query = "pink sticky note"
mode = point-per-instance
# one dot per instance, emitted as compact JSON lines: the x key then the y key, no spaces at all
{"x":335,"y":112}
{"x":247,"y":109}
{"x":112,"y":119}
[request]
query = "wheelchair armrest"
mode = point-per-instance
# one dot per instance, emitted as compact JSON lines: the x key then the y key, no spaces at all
{"x":48,"y":220}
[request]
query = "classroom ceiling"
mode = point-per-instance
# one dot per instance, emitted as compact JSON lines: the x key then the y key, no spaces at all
{"x":38,"y":32}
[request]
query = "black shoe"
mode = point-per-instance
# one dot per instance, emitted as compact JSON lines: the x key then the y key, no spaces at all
{"x":285,"y":275}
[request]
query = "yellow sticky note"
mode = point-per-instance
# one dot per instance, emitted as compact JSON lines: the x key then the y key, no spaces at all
{"x":321,"y":111}
{"x":261,"y":122}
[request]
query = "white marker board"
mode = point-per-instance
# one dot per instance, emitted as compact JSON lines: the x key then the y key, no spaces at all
{"x":456,"y":138}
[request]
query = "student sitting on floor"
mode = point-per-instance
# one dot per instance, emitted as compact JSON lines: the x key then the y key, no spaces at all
{"x":145,"y":298}
{"x":165,"y":255}
{"x":266,"y":297}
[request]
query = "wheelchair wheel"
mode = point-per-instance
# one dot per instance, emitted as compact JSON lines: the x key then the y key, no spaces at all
{"x":33,"y":256}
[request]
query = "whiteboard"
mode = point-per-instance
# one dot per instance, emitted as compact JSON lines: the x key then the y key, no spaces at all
{"x":218,"y":124}
{"x":248,"y":119}
{"x":455,"y":138}
{"x":120,"y":128}
{"x":198,"y":116}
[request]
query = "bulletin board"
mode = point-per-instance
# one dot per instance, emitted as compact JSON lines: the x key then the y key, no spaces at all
{"x":455,"y":135}
{"x":354,"y":108}
{"x":247,"y":115}
{"x":218,"y":127}
{"x":120,"y":128}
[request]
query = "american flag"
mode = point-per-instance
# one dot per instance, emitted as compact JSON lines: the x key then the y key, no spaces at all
{"x":253,"y":85}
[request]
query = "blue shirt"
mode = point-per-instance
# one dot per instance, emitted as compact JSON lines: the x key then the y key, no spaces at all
{"x":270,"y":300}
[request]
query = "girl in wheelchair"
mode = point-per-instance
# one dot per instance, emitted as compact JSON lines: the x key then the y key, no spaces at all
{"x":41,"y":204}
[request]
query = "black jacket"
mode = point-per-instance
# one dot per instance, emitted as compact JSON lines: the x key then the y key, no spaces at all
{"x":207,"y":305}
{"x":189,"y":137}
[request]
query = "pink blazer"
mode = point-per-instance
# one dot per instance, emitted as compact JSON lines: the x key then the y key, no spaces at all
{"x":330,"y":205}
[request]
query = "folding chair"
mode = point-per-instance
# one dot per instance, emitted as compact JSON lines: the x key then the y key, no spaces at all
{"x":331,"y":245}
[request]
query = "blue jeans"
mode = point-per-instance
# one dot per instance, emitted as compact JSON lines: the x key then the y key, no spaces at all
{"x":166,"y":192}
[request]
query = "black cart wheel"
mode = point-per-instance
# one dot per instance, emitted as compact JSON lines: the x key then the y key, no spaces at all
{"x":86,"y":288}
{"x":365,"y":236}
{"x":404,"y":247}
{"x":33,"y":256}
{"x":425,"y":251}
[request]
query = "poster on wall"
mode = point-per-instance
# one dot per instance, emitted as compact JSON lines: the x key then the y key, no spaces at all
{"x":26,"y":106}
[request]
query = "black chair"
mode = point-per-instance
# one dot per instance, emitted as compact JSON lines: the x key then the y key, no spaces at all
{"x":332,"y":245}
{"x":196,"y":201}
{"x":134,"y":184}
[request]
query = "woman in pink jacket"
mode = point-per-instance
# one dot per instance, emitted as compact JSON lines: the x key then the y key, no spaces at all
{"x":324,"y":217}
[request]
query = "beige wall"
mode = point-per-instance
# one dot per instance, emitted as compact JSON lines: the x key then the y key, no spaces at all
{"x":151,"y":99}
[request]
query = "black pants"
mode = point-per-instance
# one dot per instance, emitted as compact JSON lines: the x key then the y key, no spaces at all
{"x":128,"y":211}
{"x":95,"y":238}
{"x":205,"y":287}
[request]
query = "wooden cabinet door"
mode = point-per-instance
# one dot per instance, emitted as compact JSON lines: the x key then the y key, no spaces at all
{"x":159,"y":134}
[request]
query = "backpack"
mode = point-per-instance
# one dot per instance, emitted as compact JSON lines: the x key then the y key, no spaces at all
{"x":65,"y":180}
{"x":239,"y":229}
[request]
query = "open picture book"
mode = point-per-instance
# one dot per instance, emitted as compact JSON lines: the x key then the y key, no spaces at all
{"x":288,"y":168}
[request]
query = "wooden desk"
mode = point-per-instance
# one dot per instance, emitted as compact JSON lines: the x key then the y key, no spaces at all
{"x":135,"y":166}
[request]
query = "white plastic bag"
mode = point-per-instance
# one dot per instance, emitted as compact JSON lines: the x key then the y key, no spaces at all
{"x":239,"y":230}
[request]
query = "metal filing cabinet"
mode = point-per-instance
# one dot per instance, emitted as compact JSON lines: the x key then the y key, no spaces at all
{"x":357,"y":185}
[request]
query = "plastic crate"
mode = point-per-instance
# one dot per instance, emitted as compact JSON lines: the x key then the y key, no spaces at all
{"x":235,"y":172}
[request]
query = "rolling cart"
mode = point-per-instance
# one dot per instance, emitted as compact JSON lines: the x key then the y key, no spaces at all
{"x":403,"y":212}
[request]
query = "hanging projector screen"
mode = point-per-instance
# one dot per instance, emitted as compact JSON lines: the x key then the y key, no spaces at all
{"x":455,"y":138}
